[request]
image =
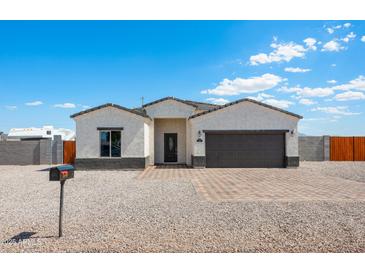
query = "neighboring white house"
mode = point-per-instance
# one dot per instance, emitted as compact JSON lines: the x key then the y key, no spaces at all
{"x":46,"y":132}
{"x":244,"y":133}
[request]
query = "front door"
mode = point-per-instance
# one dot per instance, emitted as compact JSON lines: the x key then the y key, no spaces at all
{"x":170,"y":146}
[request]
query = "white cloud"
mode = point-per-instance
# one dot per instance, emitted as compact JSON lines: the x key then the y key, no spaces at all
{"x":307,"y":102}
{"x":332,"y":46}
{"x":314,"y":119}
{"x":245,"y":85}
{"x":308,"y":92}
{"x":261,"y":96}
{"x":294,"y":70}
{"x":65,"y":105}
{"x":261,"y":58}
{"x":332,"y":82}
{"x":333,"y":65}
{"x":350,"y":95}
{"x":340,"y":110}
{"x":356,"y":84}
{"x":278,"y":103}
{"x":363,"y":39}
{"x":11,"y":107}
{"x":34,"y":103}
{"x":347,"y":25}
{"x":331,"y":30}
{"x":283,"y":52}
{"x":349,"y":37}
{"x":269,"y":99}
{"x":218,"y":101}
{"x":310,"y":43}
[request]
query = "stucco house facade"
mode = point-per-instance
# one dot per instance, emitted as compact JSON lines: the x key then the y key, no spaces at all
{"x":243,"y":133}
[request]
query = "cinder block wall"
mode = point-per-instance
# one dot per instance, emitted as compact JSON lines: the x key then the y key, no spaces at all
{"x":34,"y":152}
{"x":57,"y":150}
{"x":314,"y":148}
{"x":19,"y":153}
{"x":45,"y":152}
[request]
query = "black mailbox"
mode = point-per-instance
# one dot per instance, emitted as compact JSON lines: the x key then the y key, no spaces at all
{"x":61,"y":173}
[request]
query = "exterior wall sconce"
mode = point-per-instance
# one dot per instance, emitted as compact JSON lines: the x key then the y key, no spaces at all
{"x":199,"y":140}
{"x":292,"y":132}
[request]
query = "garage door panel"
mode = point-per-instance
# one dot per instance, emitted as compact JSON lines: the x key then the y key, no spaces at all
{"x":245,"y":150}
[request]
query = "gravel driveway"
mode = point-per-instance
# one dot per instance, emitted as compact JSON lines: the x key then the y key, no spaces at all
{"x":113,"y":211}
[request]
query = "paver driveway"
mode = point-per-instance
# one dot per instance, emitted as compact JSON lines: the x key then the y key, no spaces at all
{"x":261,"y":184}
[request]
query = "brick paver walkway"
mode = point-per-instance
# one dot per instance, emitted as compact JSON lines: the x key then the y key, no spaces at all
{"x":260,"y":184}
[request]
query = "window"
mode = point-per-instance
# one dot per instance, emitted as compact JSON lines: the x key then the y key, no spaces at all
{"x":110,"y":143}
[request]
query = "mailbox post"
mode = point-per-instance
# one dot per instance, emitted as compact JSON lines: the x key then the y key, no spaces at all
{"x":61,"y":209}
{"x":61,"y":174}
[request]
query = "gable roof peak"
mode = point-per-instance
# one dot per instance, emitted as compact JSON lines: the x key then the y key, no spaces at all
{"x":197,"y":105}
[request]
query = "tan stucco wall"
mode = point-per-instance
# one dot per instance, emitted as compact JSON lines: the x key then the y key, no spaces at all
{"x":133,"y":135}
{"x":170,"y":126}
{"x":170,"y":109}
{"x":244,"y":116}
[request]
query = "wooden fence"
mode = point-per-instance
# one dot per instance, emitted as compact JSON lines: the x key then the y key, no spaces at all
{"x":347,"y":148}
{"x":69,"y":152}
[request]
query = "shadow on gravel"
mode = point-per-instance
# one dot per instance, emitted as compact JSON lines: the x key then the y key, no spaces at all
{"x":25,"y":236}
{"x":44,"y":169}
{"x":20,"y":237}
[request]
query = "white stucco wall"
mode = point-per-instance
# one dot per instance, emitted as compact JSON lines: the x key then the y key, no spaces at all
{"x":170,"y":109}
{"x":244,"y":116}
{"x":146,"y":140}
{"x":170,"y":126}
{"x":133,"y":143}
{"x":189,"y":144}
{"x":152,"y":142}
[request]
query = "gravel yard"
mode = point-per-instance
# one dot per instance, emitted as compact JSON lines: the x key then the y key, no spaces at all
{"x":114,"y":211}
{"x":347,"y":170}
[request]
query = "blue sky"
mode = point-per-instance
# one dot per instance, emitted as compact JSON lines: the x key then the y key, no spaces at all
{"x":51,"y":69}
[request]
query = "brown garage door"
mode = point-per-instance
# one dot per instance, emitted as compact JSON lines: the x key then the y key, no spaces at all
{"x":248,"y":149}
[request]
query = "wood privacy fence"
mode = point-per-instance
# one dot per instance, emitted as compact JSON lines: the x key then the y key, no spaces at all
{"x":69,"y":152}
{"x":347,"y":148}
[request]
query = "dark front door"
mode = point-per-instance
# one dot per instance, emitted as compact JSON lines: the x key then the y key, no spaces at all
{"x":245,"y":150}
{"x":170,"y":147}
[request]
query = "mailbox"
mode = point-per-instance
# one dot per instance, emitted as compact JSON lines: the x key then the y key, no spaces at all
{"x":61,"y":173}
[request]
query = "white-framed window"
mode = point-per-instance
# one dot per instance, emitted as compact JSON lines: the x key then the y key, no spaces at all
{"x":110,"y":143}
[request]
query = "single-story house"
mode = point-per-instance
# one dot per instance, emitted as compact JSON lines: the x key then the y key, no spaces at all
{"x":243,"y":133}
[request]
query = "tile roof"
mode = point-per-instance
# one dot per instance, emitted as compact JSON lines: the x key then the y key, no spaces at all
{"x":134,"y":111}
{"x":206,"y":107}
{"x":245,"y":100}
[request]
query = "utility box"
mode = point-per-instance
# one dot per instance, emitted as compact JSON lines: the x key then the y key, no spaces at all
{"x":61,"y":173}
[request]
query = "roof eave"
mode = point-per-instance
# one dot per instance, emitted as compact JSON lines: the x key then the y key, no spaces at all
{"x":170,"y":98}
{"x":246,"y":100}
{"x":109,"y":105}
